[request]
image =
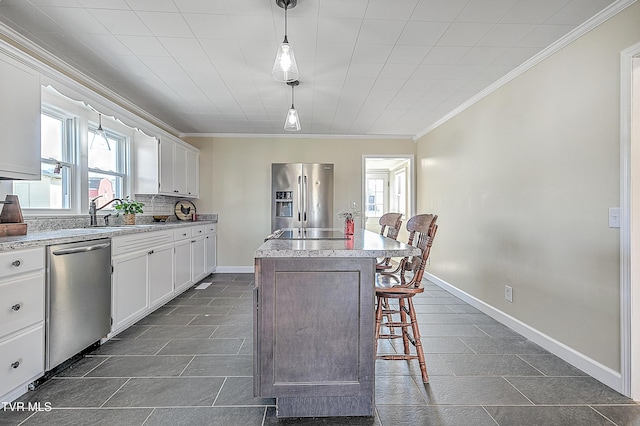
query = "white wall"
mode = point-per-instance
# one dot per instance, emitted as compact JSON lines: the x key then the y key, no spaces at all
{"x":522,"y":182}
{"x":235,"y":182}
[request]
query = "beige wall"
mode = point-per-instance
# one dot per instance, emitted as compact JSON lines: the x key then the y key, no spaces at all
{"x":522,"y":182}
{"x":235,"y":182}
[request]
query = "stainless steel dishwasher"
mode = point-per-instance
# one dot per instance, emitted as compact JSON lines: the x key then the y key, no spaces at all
{"x":78,"y":312}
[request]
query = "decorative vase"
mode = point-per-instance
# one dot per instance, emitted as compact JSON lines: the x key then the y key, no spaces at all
{"x":348,"y":226}
{"x":129,"y":219}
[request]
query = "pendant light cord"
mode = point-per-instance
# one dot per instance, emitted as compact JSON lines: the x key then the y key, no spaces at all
{"x":286,"y":5}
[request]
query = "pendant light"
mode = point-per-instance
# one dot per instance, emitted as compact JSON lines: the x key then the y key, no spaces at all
{"x":292,"y":122}
{"x":100,"y":140}
{"x":285,"y":68}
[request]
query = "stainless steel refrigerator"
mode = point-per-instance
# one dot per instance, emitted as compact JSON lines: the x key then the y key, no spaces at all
{"x":302,"y":195}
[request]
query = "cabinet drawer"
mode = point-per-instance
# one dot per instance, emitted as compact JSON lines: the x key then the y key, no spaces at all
{"x":21,"y":359}
{"x":182,"y":234}
{"x":211,"y":228}
{"x":141,"y":241}
{"x":199,"y":230}
{"x":20,"y":261}
{"x":21,"y":303}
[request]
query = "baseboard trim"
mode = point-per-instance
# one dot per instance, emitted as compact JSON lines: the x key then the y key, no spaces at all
{"x":598,"y":371}
{"x":234,"y":270}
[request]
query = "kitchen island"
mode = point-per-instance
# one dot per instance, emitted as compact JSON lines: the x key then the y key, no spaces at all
{"x":314,"y":321}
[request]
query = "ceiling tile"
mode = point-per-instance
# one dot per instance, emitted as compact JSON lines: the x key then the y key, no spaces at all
{"x":422,"y":33}
{"x":152,"y":5}
{"x":464,"y":34}
{"x":445,"y":55}
{"x":164,"y":24}
{"x":385,"y":9}
{"x":438,"y":10}
{"x":372,"y":53}
{"x":209,"y":26}
{"x":485,"y":10}
{"x":506,"y":35}
{"x":120,"y":22}
{"x":544,"y":35}
{"x":578,"y":11}
{"x":342,"y":9}
{"x":380,"y":31}
{"x":199,"y":6}
{"x":481,"y":55}
{"x":533,"y":12}
{"x":180,"y":47}
{"x":143,"y":45}
{"x":407,"y":54}
{"x":338,"y":30}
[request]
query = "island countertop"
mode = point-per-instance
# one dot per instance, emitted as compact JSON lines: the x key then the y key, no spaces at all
{"x":362,"y":244}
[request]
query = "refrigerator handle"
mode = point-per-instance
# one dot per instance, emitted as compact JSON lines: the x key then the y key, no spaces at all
{"x":299,"y":197}
{"x":306,"y":198}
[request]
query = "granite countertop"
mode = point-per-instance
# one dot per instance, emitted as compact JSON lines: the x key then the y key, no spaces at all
{"x":362,"y":244}
{"x":61,"y":236}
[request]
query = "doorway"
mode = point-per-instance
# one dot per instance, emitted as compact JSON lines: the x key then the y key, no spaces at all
{"x":388,"y":186}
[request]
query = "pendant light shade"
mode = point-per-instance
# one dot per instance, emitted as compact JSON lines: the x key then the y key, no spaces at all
{"x":285,"y":68}
{"x":100,"y":140}
{"x":292,"y":122}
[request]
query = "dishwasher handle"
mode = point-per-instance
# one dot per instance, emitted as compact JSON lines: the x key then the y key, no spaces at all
{"x":84,"y":249}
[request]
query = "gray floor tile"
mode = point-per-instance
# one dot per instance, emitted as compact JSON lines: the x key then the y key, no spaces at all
{"x":447,"y":390}
{"x":435,"y":367}
{"x":231,"y":319}
{"x":201,"y":310}
{"x":74,"y":392}
{"x":178,"y":332}
{"x":141,"y":366}
{"x":82,"y":366}
{"x":567,"y":390}
{"x":220,"y":365}
{"x":167,"y":392}
{"x":621,"y":415}
{"x":502,"y":345}
{"x":157,"y":319}
{"x":463,"y":309}
{"x":488,"y":365}
{"x":449,"y":330}
{"x":497,"y":330}
{"x":452,"y":318}
{"x":131,"y":347}
{"x":547,"y":416}
{"x":132,"y":332}
{"x":231,"y":331}
{"x":192,"y":301}
{"x":444,"y":345}
{"x":551,"y":365}
{"x":215,"y":416}
{"x":398,"y":390}
{"x":202,"y":347}
{"x":246,"y":348}
{"x":239,"y":391}
{"x":93,"y":417}
{"x":432,"y":309}
{"x":271,"y":420}
{"x":9,"y":417}
{"x":436,"y":416}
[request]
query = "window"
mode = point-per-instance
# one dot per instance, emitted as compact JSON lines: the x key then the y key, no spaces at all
{"x":53,"y":191}
{"x":107,"y":165}
{"x":375,"y":196}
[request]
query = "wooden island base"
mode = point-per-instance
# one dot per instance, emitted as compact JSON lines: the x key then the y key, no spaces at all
{"x":315,"y":329}
{"x":314,"y":323}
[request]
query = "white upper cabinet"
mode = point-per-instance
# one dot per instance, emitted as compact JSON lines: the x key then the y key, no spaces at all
{"x":19,"y":120}
{"x":166,"y":166}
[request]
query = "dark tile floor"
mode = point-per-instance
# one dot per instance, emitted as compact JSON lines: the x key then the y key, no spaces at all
{"x":190,"y":363}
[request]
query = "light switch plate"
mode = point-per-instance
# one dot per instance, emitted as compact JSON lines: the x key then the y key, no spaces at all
{"x":614,"y":217}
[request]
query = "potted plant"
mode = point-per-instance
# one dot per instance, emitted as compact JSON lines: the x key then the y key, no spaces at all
{"x":128,"y":208}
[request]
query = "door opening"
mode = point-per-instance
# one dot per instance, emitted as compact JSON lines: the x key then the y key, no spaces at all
{"x":387,"y":187}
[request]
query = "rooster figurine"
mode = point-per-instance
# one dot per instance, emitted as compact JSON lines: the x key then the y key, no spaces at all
{"x":185,"y":210}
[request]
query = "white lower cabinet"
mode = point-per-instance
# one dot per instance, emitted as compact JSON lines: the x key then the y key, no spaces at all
{"x":160,"y":275}
{"x":210,"y":248}
{"x":22,"y":295}
{"x":142,"y":276}
{"x":182,"y":261}
{"x":198,"y":248}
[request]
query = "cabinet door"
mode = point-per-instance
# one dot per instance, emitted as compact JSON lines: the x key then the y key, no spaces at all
{"x":193,"y":172}
{"x":167,"y":157}
{"x":19,"y":120}
{"x":198,"y":264}
{"x":210,"y":253}
{"x":180,"y":170}
{"x":182,"y":265}
{"x":160,"y":274}
{"x":129,"y":287}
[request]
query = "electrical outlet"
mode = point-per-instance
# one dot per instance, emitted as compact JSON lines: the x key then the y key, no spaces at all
{"x":508,"y":293}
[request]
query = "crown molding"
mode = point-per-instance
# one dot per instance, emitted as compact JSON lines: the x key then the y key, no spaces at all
{"x":292,"y":136}
{"x":570,"y":37}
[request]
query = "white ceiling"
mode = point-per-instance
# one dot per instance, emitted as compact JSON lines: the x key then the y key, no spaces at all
{"x":367,"y":67}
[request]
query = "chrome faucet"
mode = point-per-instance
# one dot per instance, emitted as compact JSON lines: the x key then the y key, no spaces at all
{"x":93,"y":209}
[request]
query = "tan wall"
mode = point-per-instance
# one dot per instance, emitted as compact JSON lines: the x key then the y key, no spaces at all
{"x":522,"y":182}
{"x":235,"y":182}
